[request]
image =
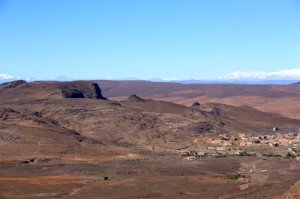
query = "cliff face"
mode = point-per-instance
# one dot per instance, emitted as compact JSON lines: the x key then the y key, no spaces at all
{"x":75,"y":89}
{"x":80,"y":89}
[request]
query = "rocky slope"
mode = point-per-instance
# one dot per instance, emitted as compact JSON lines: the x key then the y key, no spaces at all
{"x":293,"y":193}
{"x":77,"y":114}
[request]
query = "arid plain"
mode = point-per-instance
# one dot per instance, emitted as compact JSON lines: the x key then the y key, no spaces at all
{"x":138,"y":139}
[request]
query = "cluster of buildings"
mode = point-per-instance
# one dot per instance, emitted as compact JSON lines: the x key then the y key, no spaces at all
{"x":242,"y":140}
{"x":289,"y":140}
{"x":238,"y":144}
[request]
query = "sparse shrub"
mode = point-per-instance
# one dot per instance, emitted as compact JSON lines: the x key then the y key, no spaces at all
{"x":289,"y":155}
{"x":235,"y":176}
{"x":267,"y":155}
{"x":271,"y":155}
{"x":224,"y":138}
{"x":186,"y":154}
{"x":220,"y":155}
{"x":246,"y":154}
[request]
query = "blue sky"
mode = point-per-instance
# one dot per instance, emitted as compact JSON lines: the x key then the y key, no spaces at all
{"x":182,"y":39}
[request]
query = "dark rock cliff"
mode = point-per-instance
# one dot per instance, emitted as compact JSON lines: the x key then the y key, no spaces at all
{"x":81,"y":90}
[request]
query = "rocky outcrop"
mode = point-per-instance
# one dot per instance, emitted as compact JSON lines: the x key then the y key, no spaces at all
{"x":13,"y":85}
{"x":80,"y":89}
{"x":135,"y":98}
{"x":196,"y":104}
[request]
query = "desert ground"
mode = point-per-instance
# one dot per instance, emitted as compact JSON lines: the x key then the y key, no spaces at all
{"x":83,"y":140}
{"x":162,"y":177}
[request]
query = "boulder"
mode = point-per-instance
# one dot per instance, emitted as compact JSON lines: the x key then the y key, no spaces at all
{"x":196,"y":104}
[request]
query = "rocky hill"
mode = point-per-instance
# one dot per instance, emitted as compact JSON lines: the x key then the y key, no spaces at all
{"x":76,"y":89}
{"x":18,"y":84}
{"x":64,"y":136}
{"x":76,"y":114}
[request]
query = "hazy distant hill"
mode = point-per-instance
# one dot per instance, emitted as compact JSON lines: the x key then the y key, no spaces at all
{"x":281,"y":99}
{"x":235,"y":81}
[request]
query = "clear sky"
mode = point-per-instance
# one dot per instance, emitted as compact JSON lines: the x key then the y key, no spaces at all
{"x":182,"y":39}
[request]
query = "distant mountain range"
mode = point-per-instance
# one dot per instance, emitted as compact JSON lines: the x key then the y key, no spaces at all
{"x":235,"y":81}
{"x":8,"y":78}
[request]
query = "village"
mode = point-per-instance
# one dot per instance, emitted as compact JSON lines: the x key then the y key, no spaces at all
{"x":276,"y":145}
